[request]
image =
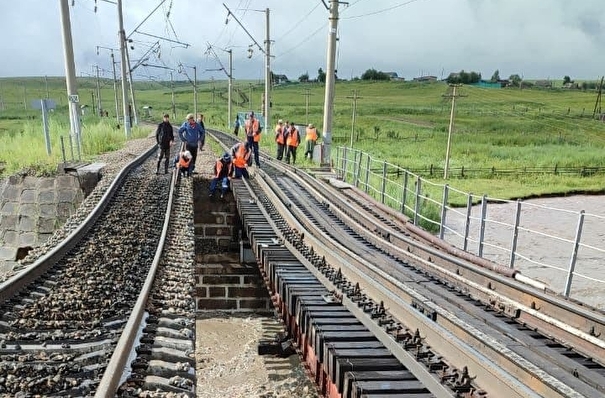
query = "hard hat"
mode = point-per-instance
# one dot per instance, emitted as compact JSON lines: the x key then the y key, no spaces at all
{"x":187,"y":155}
{"x":226,"y":157}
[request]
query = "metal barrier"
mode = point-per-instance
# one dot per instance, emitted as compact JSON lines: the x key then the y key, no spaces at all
{"x":562,"y":248}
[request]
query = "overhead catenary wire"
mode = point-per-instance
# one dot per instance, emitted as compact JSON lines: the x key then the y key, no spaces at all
{"x":382,"y":10}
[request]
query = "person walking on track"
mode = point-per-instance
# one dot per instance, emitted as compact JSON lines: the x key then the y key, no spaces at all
{"x":193,"y":135}
{"x":253,"y":131}
{"x":164,"y":136}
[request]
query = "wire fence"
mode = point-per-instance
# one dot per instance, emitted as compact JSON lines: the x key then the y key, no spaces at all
{"x":562,"y":248}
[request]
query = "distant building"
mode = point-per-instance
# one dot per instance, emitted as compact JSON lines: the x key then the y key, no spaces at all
{"x":543,"y":83}
{"x":280,"y":79}
{"x":393,"y":76}
{"x":425,"y":79}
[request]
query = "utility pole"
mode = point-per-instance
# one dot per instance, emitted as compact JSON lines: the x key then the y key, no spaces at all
{"x":195,"y":91}
{"x":355,"y":97}
{"x":70,"y":77}
{"x":46,"y":86}
{"x":330,"y":77}
{"x":172,"y":97}
{"x":99,"y":105}
{"x":123,"y":66}
{"x":115,"y":87}
{"x":449,"y":133}
{"x":267,"y":72}
{"x":307,"y":94}
{"x":230,"y":89}
{"x":135,"y":115}
{"x":597,"y":105}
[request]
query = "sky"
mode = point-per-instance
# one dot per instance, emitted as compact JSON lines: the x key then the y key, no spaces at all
{"x":532,"y":38}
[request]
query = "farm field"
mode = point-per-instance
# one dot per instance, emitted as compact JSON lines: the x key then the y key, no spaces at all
{"x":506,"y":143}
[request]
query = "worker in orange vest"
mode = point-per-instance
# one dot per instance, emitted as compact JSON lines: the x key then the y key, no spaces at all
{"x":292,"y":142}
{"x":253,"y":131}
{"x":223,"y":169}
{"x":280,"y":139}
{"x":240,"y":153}
{"x":183,"y":162}
{"x":311,"y":138}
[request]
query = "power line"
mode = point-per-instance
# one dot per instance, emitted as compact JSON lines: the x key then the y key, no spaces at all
{"x":301,"y":42}
{"x":383,"y":10}
{"x":298,"y":23}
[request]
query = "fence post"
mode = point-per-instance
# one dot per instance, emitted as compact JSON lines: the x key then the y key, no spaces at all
{"x":574,"y":254}
{"x":344,"y":164}
{"x":443,"y":211}
{"x":417,"y":204}
{"x":482,"y":230}
{"x":368,"y":174}
{"x":383,"y":184}
{"x":358,"y":169}
{"x":467,"y":224}
{"x":63,"y":149}
{"x":513,"y":245}
{"x":404,"y":191}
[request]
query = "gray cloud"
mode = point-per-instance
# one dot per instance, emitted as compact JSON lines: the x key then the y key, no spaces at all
{"x":531,"y":37}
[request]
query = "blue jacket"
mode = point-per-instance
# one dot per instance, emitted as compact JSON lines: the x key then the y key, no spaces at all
{"x":192,"y":135}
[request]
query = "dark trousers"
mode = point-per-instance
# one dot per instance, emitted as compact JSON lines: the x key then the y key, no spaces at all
{"x":280,"y":151}
{"x":309,"y":149}
{"x":254,"y":145}
{"x":240,"y":172}
{"x":291,"y":151}
{"x":224,"y":181}
{"x":164,"y":154}
{"x":193,"y":150}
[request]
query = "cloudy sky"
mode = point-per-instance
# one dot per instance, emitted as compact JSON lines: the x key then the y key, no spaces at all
{"x":533,"y":38}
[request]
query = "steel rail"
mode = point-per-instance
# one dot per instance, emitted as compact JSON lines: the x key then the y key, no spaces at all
{"x":17,"y":282}
{"x":119,"y":360}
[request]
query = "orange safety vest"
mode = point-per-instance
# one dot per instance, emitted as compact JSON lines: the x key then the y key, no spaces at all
{"x":253,"y":129}
{"x":292,"y":139}
{"x":219,"y":168}
{"x":279,"y":134}
{"x":183,"y":164}
{"x":311,"y":134}
{"x":241,"y":156}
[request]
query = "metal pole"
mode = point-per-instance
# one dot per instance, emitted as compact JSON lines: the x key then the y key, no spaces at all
{"x":358,"y":169}
{"x":70,"y":75}
{"x":195,"y":91}
{"x":513,"y":245}
{"x":230,"y":89}
{"x":135,"y":116}
{"x":172,"y":97}
{"x":449,"y":136}
{"x":404,"y":191}
{"x":115,"y":87}
{"x":443,"y":211}
{"x":99,"y":106}
{"x":46,"y":85}
{"x":45,"y":126}
{"x":417,"y":204}
{"x":63,"y":149}
{"x":574,"y":254}
{"x":123,"y":70}
{"x":329,"y":94}
{"x":482,"y":229}
{"x":384,"y":182}
{"x":367,"y":174}
{"x":267,"y":73}
{"x":467,"y":224}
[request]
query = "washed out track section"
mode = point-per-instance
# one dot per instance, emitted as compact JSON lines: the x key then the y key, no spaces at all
{"x":343,"y":356}
{"x":60,"y":319}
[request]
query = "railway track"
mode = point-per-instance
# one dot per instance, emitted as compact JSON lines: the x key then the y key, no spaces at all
{"x":510,"y":337}
{"x":374,"y":305}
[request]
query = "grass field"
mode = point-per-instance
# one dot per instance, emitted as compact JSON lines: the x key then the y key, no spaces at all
{"x":404,"y":123}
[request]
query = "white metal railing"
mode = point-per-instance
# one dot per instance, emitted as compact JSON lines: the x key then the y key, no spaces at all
{"x":534,"y":238}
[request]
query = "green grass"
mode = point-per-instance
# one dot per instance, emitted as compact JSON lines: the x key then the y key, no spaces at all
{"x":404,"y":123}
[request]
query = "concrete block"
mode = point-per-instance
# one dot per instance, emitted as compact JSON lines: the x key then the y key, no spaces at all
{"x":28,"y":239}
{"x":10,"y":208}
{"x":64,"y":210}
{"x":28,"y":196}
{"x":46,"y":196}
{"x":29,"y":209}
{"x":90,"y":175}
{"x":63,"y":182}
{"x":27,"y":223}
{"x":48,"y":210}
{"x":11,"y":238}
{"x":12,"y":193}
{"x":46,"y":225}
{"x":30,"y":182}
{"x":43,"y":237}
{"x":46,"y":183}
{"x":67,"y":195}
{"x":8,"y":253}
